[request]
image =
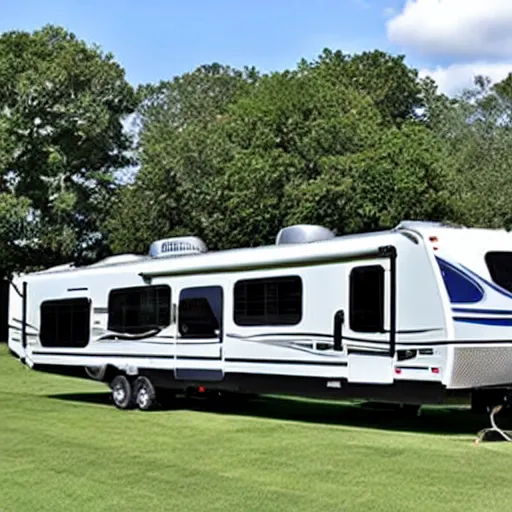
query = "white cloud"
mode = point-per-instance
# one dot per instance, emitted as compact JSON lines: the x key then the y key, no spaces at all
{"x":453,"y":79}
{"x":476,"y":29}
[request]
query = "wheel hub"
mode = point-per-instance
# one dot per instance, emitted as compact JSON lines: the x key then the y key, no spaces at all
{"x":143,"y":397}
{"x":119,"y":394}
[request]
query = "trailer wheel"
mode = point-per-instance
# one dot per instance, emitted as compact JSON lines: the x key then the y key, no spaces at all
{"x":122,"y":393}
{"x":145,"y":394}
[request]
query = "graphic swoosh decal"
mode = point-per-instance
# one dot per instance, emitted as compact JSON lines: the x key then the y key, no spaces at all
{"x":482,"y":311}
{"x":501,"y":322}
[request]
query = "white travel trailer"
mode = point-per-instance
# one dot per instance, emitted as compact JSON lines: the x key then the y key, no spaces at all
{"x":408,"y":315}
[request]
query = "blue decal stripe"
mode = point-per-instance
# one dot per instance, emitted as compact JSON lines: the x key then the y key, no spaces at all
{"x":483,"y":311}
{"x":461,"y":287}
{"x":504,"y":322}
{"x":494,"y":286}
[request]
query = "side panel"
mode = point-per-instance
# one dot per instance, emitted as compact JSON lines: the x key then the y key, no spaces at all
{"x":101,"y":346}
{"x":15,"y":318}
{"x":424,"y":327}
{"x":481,"y":315}
{"x":303,"y":348}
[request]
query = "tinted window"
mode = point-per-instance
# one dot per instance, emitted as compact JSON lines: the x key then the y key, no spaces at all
{"x":200,"y":312}
{"x":367,"y":299}
{"x":500,"y":268}
{"x":272,"y":301}
{"x":65,"y":323}
{"x":461,"y":289}
{"x":139,"y":309}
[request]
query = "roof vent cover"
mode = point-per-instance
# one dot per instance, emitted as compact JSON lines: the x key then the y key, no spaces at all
{"x":303,"y":234}
{"x":178,"y":246}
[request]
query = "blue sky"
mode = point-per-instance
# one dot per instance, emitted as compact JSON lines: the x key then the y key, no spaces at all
{"x":158,"y":39}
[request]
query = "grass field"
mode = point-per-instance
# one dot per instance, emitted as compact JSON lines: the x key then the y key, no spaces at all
{"x":64,"y":447}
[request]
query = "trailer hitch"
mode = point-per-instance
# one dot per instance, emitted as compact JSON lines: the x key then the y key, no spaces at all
{"x":503,"y":434}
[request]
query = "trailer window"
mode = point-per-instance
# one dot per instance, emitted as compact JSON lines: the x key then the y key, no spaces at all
{"x":500,"y":268}
{"x":460,"y":287}
{"x":367,"y":299}
{"x":139,"y":309}
{"x":200,"y":312}
{"x":270,"y":301}
{"x":65,"y":323}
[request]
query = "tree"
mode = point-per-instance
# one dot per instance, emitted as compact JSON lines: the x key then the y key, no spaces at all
{"x":393,"y":86}
{"x":14,"y":232}
{"x":181,"y":148}
{"x":477,"y":126}
{"x":331,"y":142}
{"x":320,"y":151}
{"x":62,"y":104}
{"x":283,"y":132}
{"x":403,"y":176}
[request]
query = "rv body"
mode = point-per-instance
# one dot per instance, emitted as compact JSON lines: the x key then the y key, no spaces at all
{"x":409,"y":315}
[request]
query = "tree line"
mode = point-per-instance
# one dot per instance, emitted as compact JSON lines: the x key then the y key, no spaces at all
{"x":352,"y":142}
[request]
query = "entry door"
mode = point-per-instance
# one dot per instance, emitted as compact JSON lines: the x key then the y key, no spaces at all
{"x":369,"y":324}
{"x":199,"y":334}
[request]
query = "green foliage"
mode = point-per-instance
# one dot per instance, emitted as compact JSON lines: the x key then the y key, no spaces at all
{"x":61,"y":136}
{"x":233,"y":156}
{"x":393,"y":87}
{"x":181,"y":148}
{"x":353,"y":142}
{"x":477,"y":128}
{"x":14,"y":212}
{"x":402,"y":177}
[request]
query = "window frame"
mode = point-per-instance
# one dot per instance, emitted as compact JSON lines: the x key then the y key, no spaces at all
{"x":382,"y":306}
{"x":491,"y":268}
{"x":56,"y":303}
{"x":146,"y":288}
{"x":263,"y":318}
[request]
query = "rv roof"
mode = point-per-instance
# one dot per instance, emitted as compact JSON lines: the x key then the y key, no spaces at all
{"x":420,"y":225}
{"x":265,"y":255}
{"x":251,"y":255}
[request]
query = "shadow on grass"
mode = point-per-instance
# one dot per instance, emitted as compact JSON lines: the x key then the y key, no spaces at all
{"x":98,"y":398}
{"x":434,"y":420}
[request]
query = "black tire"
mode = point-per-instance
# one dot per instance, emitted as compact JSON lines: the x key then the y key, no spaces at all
{"x":122,"y":392}
{"x":144,"y":394}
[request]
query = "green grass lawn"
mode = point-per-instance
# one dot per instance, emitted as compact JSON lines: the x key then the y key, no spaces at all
{"x":64,"y":447}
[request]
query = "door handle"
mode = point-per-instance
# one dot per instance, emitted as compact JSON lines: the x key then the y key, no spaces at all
{"x":339,"y":319}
